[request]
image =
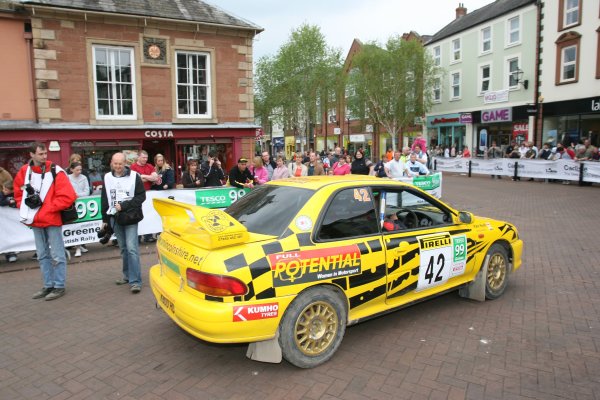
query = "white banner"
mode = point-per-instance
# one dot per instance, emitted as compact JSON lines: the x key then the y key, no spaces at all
{"x":19,"y":237}
{"x":542,"y":169}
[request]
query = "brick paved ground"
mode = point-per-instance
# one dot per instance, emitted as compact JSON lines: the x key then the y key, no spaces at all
{"x":540,"y":340}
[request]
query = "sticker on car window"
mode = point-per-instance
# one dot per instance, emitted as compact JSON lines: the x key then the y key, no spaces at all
{"x":304,"y":223}
{"x":442,"y":257}
{"x":362,"y":195}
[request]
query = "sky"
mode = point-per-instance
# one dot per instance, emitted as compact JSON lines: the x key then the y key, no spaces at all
{"x":341,"y":21}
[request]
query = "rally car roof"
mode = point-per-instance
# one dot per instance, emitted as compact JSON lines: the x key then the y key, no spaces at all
{"x":317,"y":182}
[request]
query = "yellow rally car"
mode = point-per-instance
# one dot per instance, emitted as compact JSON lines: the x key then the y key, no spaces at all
{"x":291,"y":264}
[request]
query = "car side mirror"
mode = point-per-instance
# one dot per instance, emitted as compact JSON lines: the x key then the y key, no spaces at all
{"x":465,"y":217}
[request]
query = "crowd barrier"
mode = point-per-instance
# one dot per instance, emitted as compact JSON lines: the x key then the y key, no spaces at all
{"x":19,"y":237}
{"x":566,"y":170}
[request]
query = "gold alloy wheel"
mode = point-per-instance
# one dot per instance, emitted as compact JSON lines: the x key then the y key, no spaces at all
{"x":316,"y":328}
{"x":496,"y":272}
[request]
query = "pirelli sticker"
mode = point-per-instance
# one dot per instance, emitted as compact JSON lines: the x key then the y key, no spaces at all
{"x":442,"y":257}
{"x":295,"y":267}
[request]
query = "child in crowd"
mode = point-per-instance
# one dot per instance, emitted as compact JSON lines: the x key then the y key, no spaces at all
{"x":7,"y":199}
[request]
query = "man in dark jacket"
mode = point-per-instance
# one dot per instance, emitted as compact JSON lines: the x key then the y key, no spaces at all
{"x":123,"y":191}
{"x":212,"y":171}
{"x":240,"y":176}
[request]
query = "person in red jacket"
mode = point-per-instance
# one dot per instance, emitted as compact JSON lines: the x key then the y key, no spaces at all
{"x":41,"y":194}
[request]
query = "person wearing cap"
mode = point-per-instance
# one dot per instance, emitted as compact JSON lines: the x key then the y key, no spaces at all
{"x":240,"y":176}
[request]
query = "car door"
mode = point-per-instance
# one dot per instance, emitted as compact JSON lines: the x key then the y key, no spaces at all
{"x":428,"y":253}
{"x":348,"y":229}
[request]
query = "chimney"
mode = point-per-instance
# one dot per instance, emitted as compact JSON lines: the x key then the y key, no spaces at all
{"x":461,"y":11}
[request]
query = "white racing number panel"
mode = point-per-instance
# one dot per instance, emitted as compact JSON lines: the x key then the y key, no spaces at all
{"x":442,"y":257}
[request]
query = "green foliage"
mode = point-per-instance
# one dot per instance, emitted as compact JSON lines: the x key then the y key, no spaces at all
{"x":391,"y":85}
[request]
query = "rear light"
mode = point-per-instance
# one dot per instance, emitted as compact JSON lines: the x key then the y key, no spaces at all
{"x":215,"y":285}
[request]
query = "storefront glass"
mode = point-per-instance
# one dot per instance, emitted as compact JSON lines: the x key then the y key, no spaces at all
{"x":569,"y":129}
{"x":13,"y":156}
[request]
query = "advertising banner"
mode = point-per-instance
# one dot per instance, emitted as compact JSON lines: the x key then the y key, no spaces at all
{"x":431,"y":184}
{"x":84,"y":230}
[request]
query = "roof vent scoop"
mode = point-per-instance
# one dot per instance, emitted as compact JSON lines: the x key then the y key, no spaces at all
{"x":461,"y":11}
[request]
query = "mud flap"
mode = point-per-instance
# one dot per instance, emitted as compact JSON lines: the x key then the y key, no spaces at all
{"x":265,"y":351}
{"x":476,"y":289}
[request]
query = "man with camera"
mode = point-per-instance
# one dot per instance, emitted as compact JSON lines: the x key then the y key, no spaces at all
{"x":121,"y":203}
{"x":212,"y":171}
{"x":41,"y":195}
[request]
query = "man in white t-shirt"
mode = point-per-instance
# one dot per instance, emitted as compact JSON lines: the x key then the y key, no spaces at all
{"x":395,"y":168}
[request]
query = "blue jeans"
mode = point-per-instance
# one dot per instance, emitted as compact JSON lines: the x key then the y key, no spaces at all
{"x":127,"y":236}
{"x":51,"y":255}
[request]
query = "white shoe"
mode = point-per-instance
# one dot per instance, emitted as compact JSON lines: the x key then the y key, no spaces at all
{"x":83,"y":248}
{"x":78,"y":252}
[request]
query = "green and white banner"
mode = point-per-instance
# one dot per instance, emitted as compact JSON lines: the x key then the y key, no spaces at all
{"x":432,"y":184}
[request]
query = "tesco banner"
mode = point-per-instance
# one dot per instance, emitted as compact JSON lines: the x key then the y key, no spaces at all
{"x":84,"y":230}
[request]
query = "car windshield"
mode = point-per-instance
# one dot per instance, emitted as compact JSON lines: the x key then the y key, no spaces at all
{"x":269,"y":209}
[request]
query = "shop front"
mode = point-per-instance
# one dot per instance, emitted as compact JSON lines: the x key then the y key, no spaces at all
{"x":361,"y":141}
{"x":446,"y":130}
{"x":572,"y":121}
{"x":502,"y":126}
{"x":96,"y":146}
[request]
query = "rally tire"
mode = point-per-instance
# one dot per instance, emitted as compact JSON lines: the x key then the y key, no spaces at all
{"x":313,"y":327}
{"x":498,"y":270}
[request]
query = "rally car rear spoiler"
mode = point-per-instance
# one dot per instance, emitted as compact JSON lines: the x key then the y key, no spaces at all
{"x":204,"y":227}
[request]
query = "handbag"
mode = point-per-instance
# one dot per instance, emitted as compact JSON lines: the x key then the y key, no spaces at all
{"x":69,"y":215}
{"x":129,"y":216}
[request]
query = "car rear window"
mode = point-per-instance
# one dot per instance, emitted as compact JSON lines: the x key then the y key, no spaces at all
{"x":269,"y":209}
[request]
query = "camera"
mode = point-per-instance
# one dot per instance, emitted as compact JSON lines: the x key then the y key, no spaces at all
{"x":33,"y":199}
{"x":105,"y":233}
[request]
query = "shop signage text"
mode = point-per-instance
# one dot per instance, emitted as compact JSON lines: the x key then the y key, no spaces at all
{"x":497,"y":115}
{"x":520,"y":128}
{"x":596,"y":105}
{"x":444,"y":121}
{"x":466,"y":118}
{"x":498,"y":96}
{"x":159,"y":134}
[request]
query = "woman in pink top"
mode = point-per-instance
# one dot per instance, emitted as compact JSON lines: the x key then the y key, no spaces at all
{"x":341,"y":167}
{"x":261,"y":175}
{"x":281,"y":171}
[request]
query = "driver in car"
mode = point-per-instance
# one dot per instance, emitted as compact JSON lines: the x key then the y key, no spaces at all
{"x":392,"y":223}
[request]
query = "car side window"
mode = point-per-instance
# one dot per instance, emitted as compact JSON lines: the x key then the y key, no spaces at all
{"x":413,"y":211}
{"x":350,"y":214}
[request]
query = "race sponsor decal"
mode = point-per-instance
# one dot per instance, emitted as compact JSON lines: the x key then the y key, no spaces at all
{"x":215,"y":223}
{"x":295,"y":267}
{"x":304,"y":223}
{"x":254,"y":312}
{"x":442,"y":257}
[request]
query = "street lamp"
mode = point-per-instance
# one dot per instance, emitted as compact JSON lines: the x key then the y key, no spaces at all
{"x":519,"y":79}
{"x":348,"y":144}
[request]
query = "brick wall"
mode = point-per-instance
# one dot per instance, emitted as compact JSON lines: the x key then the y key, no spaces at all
{"x":63,"y":76}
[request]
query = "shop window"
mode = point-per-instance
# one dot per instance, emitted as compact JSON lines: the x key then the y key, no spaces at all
{"x":569,"y":13}
{"x":455,"y":86}
{"x":193,"y":85}
{"x":567,"y":54}
{"x":114,"y":82}
{"x":486,"y":40}
{"x":456,"y":53}
{"x":484,"y":78}
{"x":513,"y":31}
{"x":437,"y":90}
{"x":512,"y":68}
{"x":437,"y":56}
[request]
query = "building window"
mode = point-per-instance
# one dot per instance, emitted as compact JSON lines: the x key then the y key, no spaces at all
{"x":437,"y":90}
{"x":512,"y":67}
{"x":567,"y":58}
{"x":513,"y":31}
{"x":569,"y":13}
{"x":484,"y":78}
{"x":114,"y":82}
{"x":456,"y":50}
{"x":455,"y":86}
{"x":437,"y":56}
{"x":193,"y":85}
{"x":486,"y":40}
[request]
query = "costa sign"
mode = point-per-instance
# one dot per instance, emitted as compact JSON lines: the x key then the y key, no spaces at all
{"x":162,"y":134}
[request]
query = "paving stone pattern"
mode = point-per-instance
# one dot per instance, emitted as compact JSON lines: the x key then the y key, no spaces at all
{"x":541,"y":340}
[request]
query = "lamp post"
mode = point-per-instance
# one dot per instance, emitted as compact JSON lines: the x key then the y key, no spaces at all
{"x":348,"y":143}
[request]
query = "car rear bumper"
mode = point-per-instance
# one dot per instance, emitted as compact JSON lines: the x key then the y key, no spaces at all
{"x":217,"y":322}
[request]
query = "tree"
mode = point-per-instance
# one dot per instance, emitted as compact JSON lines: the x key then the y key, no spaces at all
{"x":293,"y":87}
{"x":392,"y":85}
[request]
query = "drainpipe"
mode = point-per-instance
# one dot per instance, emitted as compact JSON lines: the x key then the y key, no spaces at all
{"x":538,"y":120}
